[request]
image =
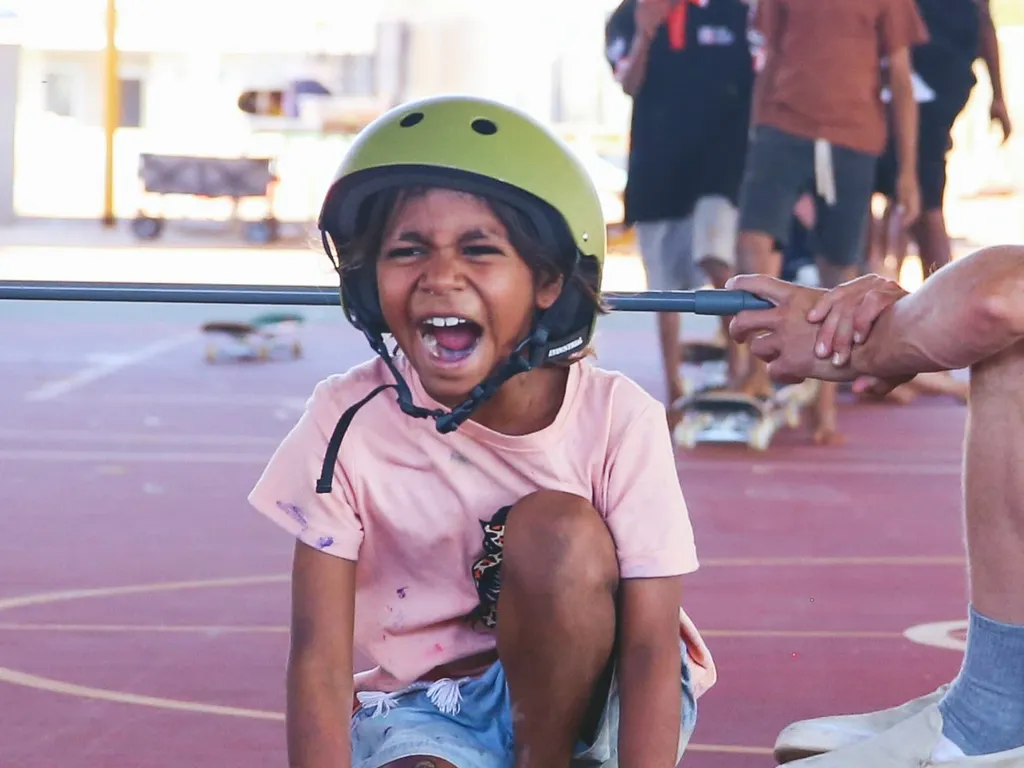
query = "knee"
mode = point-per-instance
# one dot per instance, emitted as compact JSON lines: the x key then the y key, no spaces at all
{"x":555,"y":540}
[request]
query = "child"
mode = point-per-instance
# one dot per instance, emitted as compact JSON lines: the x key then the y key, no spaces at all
{"x":504,"y":540}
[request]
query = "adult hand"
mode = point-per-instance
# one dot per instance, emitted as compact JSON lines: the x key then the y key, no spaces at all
{"x":783,"y":336}
{"x":1000,"y":114}
{"x":848,"y":312}
{"x":650,"y":14}
{"x":908,"y":197}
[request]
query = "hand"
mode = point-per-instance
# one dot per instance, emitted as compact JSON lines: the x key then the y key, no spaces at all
{"x":908,"y":197}
{"x":783,"y":337}
{"x":848,"y":312}
{"x":650,"y":14}
{"x":1000,"y":114}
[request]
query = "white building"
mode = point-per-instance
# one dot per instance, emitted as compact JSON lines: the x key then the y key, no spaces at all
{"x":184,"y":63}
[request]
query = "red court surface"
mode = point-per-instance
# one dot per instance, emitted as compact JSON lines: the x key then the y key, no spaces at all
{"x":143,"y":605}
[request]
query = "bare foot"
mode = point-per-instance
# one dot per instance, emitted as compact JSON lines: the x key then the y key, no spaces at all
{"x":941,"y":383}
{"x":823,"y":417}
{"x":904,"y":394}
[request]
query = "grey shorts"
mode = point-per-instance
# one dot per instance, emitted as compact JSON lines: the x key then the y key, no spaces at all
{"x":672,"y":249}
{"x":781,"y":167}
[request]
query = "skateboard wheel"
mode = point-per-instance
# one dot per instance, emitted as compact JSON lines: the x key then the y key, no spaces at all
{"x":296,"y":350}
{"x":761,"y":436}
{"x":686,"y":433}
{"x":793,"y":416}
{"x":263,"y":354}
{"x":211,"y":353}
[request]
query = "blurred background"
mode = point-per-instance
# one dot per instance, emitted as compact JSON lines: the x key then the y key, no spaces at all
{"x":144,"y":605}
{"x":328,"y":68}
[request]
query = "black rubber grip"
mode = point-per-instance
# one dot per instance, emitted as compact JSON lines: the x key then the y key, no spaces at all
{"x":713,"y":302}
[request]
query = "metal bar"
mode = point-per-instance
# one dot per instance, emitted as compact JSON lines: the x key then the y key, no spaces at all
{"x":705,"y":302}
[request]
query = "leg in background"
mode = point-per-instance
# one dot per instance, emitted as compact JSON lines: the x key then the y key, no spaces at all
{"x":778,"y":168}
{"x":714,"y":246}
{"x":842,"y":232}
{"x":666,"y":250}
{"x":556,"y":623}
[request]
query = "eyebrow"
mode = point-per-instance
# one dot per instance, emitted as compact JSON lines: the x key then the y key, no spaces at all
{"x":412,"y":236}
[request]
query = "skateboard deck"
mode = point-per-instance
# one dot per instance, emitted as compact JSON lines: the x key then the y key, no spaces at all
{"x":711,"y":361}
{"x":263,"y":338}
{"x":721,"y":416}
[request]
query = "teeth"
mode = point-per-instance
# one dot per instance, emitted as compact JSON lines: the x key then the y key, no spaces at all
{"x":442,"y":322}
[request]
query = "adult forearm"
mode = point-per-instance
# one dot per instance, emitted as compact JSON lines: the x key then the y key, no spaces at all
{"x":633,"y":69}
{"x":989,"y":50}
{"x":319,"y":711}
{"x":966,"y":312}
{"x":905,"y":123}
{"x":650,"y":694}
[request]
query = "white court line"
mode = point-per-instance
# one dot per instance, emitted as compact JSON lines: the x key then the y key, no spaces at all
{"x":22,"y":436}
{"x":135,"y":457}
{"x":105,"y":368}
{"x":195,"y":457}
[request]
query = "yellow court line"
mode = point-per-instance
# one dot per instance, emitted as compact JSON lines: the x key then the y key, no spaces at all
{"x":49,"y":685}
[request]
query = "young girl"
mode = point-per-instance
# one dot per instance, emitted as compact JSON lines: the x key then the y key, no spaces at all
{"x":503,"y":535}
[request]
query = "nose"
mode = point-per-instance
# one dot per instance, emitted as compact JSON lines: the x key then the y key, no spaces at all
{"x":442,"y":271}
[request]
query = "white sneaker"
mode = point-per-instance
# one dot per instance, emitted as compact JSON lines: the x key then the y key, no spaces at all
{"x":917,"y":742}
{"x":806,"y":738}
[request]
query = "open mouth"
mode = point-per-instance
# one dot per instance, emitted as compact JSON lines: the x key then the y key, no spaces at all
{"x":450,"y":339}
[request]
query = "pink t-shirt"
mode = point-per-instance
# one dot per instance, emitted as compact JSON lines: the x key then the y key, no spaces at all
{"x":408,"y":501}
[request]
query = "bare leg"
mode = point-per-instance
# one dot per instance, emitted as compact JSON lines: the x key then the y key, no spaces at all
{"x":824,"y":416}
{"x":669,"y":329}
{"x":932,"y":241}
{"x":983,"y":710}
{"x":994,"y":487}
{"x":718,"y":273}
{"x":757,"y":255}
{"x":559,"y":583}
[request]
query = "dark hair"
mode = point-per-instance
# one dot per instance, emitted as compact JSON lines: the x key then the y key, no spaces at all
{"x":376,"y":212}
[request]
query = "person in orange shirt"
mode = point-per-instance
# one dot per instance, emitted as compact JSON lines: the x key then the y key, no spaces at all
{"x":819,"y":120}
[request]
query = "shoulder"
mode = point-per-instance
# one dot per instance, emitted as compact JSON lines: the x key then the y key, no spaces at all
{"x":333,"y":395}
{"x":616,"y":397}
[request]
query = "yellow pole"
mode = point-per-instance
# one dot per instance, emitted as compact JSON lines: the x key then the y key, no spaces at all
{"x":111,"y":112}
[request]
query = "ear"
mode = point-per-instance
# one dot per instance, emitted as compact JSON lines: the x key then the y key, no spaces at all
{"x":548,"y":291}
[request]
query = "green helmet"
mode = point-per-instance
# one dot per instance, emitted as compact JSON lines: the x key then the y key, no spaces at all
{"x":481,"y":147}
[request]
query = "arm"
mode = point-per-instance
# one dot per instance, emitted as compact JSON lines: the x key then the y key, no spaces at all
{"x":319,"y":675}
{"x":649,"y":521}
{"x":989,"y":48}
{"x":765,"y":27}
{"x":629,"y":35}
{"x":966,"y":312}
{"x":632,"y":68}
{"x":329,"y":533}
{"x":649,"y":670}
{"x":905,"y":114}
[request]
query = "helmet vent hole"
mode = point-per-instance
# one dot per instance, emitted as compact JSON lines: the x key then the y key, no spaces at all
{"x":413,"y":118}
{"x":484,"y":127}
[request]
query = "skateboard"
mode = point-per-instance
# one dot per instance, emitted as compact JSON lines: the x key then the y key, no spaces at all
{"x":711,"y":361}
{"x":721,"y":416}
{"x":261,"y":339}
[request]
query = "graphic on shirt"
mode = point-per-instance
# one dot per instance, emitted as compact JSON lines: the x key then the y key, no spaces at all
{"x":487,"y":569}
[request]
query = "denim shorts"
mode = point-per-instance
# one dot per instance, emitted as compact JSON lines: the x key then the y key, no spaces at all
{"x":468,"y":723}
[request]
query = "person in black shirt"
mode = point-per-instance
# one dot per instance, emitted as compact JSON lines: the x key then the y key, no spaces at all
{"x":687,"y":66}
{"x":959,"y":31}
